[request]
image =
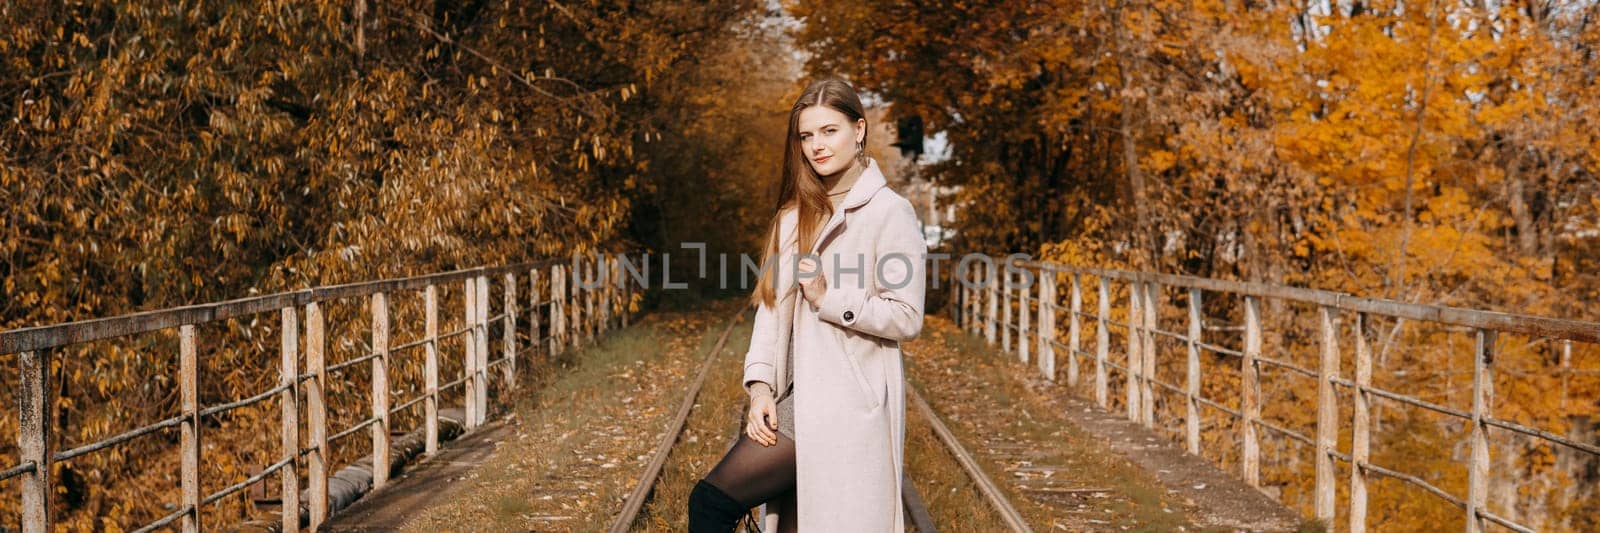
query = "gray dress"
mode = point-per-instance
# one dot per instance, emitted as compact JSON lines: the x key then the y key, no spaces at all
{"x":786,"y":400}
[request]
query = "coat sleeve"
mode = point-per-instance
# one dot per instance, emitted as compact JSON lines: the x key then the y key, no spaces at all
{"x":894,"y":309}
{"x":760,"y":362}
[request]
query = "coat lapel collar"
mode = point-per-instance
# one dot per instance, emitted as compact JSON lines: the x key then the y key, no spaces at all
{"x":866,"y":185}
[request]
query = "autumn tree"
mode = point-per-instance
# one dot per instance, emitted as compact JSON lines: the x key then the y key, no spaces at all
{"x":161,"y":154}
{"x":1437,"y":152}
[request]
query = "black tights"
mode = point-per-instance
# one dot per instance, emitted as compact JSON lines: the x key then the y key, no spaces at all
{"x":749,"y":475}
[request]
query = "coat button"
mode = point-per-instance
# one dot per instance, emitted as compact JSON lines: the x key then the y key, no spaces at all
{"x":849,"y":315}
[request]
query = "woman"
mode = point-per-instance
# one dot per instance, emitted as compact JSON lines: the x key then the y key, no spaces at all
{"x":823,"y":436}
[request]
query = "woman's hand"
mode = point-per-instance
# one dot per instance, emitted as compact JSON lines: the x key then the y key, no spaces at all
{"x":814,"y":287}
{"x":761,"y":423}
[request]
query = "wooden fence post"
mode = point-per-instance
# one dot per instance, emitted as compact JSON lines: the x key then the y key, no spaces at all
{"x":588,"y":314}
{"x":574,"y":307}
{"x":618,"y":290}
{"x":1250,"y":393}
{"x":33,"y":439}
{"x":481,"y":370}
{"x":1074,"y":330}
{"x":1047,"y":323}
{"x":1024,"y":316}
{"x":1102,"y":338}
{"x":1482,"y":404}
{"x":1147,"y":377}
{"x":574,"y":297}
{"x":979,"y":292}
{"x":607,"y":291}
{"x":627,"y":294}
{"x":1327,"y":415}
{"x":469,"y":315}
{"x":430,"y":370}
{"x":510,"y":290}
{"x":557,"y":309}
{"x":993,"y":298}
{"x":317,"y":413}
{"x":1361,"y":429}
{"x":614,"y":301}
{"x":966,"y":304}
{"x":1192,"y":380}
{"x":289,"y":423}
{"x":591,"y":293}
{"x":968,"y":308}
{"x":380,"y":390}
{"x":189,"y":387}
{"x":566,"y":307}
{"x":535,"y":336}
{"x":955,"y":301}
{"x":1134,"y":346}
{"x":1005,"y":310}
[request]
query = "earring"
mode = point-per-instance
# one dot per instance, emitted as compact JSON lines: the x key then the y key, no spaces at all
{"x":861,"y":151}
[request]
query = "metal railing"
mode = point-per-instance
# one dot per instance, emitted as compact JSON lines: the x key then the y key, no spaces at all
{"x":578,"y":313}
{"x":985,"y":308}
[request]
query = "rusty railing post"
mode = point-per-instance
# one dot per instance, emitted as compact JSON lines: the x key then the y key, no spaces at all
{"x":607,"y":292}
{"x":591,"y":293}
{"x":955,"y":301}
{"x":1047,"y":323}
{"x":189,"y":430}
{"x":317,"y":413}
{"x":558,"y":321}
{"x":33,"y":439}
{"x":1361,"y":428}
{"x":510,"y":371}
{"x":1102,"y":338}
{"x":535,"y":338}
{"x":1135,"y":352}
{"x":430,"y":370}
{"x":993,"y":304}
{"x":1147,"y":393}
{"x":1250,"y":394}
{"x":1482,"y":405}
{"x":1191,"y":383}
{"x":627,"y":294}
{"x":1024,"y":319}
{"x":469,"y":362}
{"x":1005,"y":310}
{"x":289,"y":423}
{"x":565,"y":299}
{"x":1074,"y":330}
{"x":380,"y":390}
{"x":481,"y":369}
{"x":1327,"y":415}
{"x":968,"y":308}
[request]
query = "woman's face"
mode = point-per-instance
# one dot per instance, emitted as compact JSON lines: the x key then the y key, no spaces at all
{"x":829,"y":138}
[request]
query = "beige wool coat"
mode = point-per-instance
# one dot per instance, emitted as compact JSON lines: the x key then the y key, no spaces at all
{"x":850,"y":391}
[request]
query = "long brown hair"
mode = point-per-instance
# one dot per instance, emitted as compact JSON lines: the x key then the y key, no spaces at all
{"x":801,"y":186}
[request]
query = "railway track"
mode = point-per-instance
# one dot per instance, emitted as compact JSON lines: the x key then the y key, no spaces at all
{"x":652,"y":472}
{"x":991,"y":492}
{"x":918,"y":516}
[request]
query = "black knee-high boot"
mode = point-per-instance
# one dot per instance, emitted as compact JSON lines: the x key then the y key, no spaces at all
{"x":713,"y":511}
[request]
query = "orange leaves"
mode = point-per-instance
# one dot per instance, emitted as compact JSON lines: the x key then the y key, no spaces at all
{"x":233,"y":148}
